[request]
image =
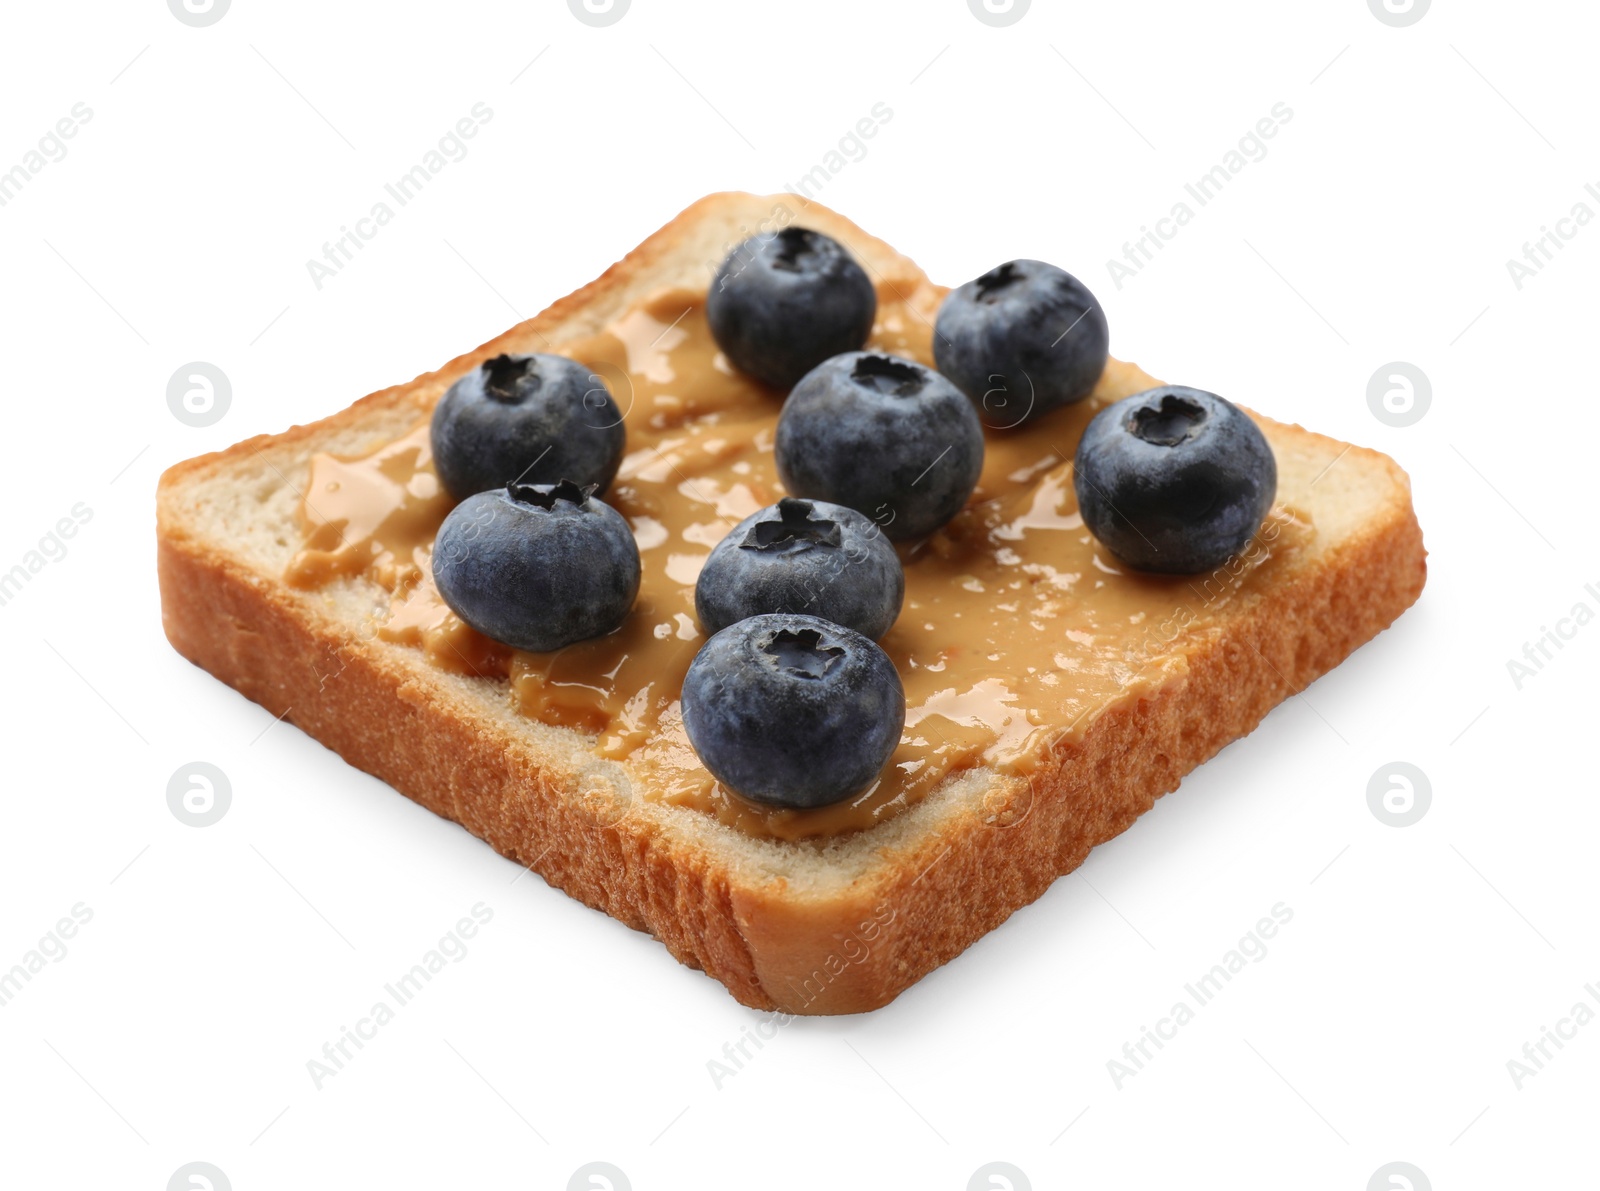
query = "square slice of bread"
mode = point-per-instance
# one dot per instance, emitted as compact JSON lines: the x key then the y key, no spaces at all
{"x":837,"y":927}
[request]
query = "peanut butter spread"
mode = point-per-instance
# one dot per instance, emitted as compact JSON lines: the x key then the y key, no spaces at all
{"x":1017,"y":624}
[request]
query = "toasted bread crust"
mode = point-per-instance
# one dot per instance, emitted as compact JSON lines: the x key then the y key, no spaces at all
{"x":776,"y":942}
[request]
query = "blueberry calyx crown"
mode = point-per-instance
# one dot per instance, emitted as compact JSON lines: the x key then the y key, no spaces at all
{"x":544,"y":496}
{"x":999,"y":278}
{"x":802,"y":653}
{"x":885,"y":375}
{"x":1176,"y":420}
{"x":794,"y":531}
{"x":508,"y":379}
{"x":794,"y":245}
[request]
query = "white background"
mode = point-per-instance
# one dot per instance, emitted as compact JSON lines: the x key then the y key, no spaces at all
{"x":1377,"y":228}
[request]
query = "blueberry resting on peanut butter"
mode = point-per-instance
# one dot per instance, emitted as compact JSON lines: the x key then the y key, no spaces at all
{"x":793,"y":711}
{"x":1022,"y":340}
{"x":883,"y":435}
{"x":803,"y":556}
{"x":1174,"y":480}
{"x":783,"y":303}
{"x":526,"y":419}
{"x":537,"y":566}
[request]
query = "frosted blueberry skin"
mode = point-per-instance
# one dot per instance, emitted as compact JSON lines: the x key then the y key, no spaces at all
{"x":781,"y":304}
{"x":531,"y":419}
{"x":1174,"y":480}
{"x":884,"y":436}
{"x":1022,"y":340}
{"x":803,"y":556}
{"x":793,"y":711}
{"x":537,"y":566}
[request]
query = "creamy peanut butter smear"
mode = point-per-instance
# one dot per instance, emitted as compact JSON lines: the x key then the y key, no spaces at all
{"x":1017,"y":625}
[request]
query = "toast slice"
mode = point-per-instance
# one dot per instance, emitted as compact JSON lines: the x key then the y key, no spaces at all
{"x":837,"y":925}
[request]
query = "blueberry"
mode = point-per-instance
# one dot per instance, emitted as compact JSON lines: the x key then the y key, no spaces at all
{"x":803,"y":556}
{"x":526,"y":419}
{"x":1022,"y":340}
{"x":537,"y":566}
{"x":886,"y":436}
{"x":793,"y":711}
{"x":1174,"y":480}
{"x":781,"y":304}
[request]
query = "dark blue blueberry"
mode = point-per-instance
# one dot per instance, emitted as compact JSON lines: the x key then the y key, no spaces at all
{"x":1174,"y":480}
{"x":537,"y":566}
{"x":793,"y":711}
{"x":803,"y":556}
{"x":526,"y":419}
{"x":781,"y":304}
{"x":886,"y":436}
{"x":1021,"y":340}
